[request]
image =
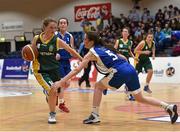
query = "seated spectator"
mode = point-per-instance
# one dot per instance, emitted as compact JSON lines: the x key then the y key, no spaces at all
{"x":176,"y":50}
{"x":138,"y":33}
{"x":167,"y":32}
{"x":86,"y":25}
{"x":158,"y":38}
{"x":100,"y":20}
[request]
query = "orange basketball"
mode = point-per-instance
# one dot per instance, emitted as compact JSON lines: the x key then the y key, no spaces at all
{"x":29,"y":52}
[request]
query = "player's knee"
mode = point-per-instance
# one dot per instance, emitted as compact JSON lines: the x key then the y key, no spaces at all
{"x":98,"y":86}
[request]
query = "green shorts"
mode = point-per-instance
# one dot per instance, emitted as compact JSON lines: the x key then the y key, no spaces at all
{"x":46,"y":79}
{"x":146,"y":65}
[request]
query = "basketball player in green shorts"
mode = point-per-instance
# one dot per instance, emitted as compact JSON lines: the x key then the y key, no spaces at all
{"x":144,"y":50}
{"x":46,"y":67}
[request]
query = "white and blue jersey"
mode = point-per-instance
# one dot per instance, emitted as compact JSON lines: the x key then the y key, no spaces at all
{"x":118,"y":70}
{"x":65,"y":66}
{"x":67,"y":39}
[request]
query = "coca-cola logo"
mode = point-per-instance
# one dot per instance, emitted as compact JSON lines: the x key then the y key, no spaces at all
{"x":92,"y":11}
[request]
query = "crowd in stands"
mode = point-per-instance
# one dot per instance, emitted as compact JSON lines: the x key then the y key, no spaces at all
{"x":165,"y":24}
{"x":162,"y":24}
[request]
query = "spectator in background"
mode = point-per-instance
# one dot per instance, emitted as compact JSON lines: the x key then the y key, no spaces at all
{"x":100,"y":20}
{"x":171,"y":11}
{"x":111,"y":19}
{"x":167,"y":32}
{"x":130,"y":16}
{"x":159,"y":16}
{"x":166,"y":14}
{"x":123,"y":19}
{"x":135,"y":17}
{"x":158,"y":38}
{"x":176,"y":49}
{"x":86,"y":25}
{"x":138,"y":34}
{"x":144,"y":16}
{"x":174,"y":24}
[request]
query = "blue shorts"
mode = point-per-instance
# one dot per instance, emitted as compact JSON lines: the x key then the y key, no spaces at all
{"x":65,"y":67}
{"x":123,"y":74}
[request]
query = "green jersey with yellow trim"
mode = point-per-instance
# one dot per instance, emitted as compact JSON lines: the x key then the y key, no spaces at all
{"x":124,"y":47}
{"x":46,"y":60}
{"x":144,"y":57}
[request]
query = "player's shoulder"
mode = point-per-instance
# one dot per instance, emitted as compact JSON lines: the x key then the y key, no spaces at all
{"x":36,"y":37}
{"x":70,"y":34}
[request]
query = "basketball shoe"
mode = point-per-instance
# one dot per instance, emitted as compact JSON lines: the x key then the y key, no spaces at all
{"x":147,"y":89}
{"x":172,"y":111}
{"x":63,"y":107}
{"x":105,"y":91}
{"x":52,"y":118}
{"x":92,"y":119}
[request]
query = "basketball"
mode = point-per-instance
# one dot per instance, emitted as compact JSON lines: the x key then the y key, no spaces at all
{"x":29,"y":52}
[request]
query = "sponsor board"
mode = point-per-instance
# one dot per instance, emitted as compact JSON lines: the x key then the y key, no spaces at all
{"x":15,"y":69}
{"x":1,"y":66}
{"x":165,"y":70}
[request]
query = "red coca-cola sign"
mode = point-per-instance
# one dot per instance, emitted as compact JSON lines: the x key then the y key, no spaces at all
{"x":91,"y":11}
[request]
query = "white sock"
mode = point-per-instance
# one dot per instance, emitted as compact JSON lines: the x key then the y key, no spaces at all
{"x":61,"y":101}
{"x":164,"y":105}
{"x":95,"y":110}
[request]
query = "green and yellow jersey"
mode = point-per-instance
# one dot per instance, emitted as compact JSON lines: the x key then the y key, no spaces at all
{"x":144,"y":57}
{"x":46,"y":60}
{"x":124,"y":47}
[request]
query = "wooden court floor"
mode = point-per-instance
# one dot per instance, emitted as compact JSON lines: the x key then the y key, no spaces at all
{"x":23,"y":108}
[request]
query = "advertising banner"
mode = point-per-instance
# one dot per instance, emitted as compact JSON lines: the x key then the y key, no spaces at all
{"x":91,"y":11}
{"x":1,"y":66}
{"x":165,"y":70}
{"x":15,"y":69}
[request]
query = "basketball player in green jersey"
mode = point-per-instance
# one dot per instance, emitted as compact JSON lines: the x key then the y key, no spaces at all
{"x":46,"y":67}
{"x":124,"y":46}
{"x":144,"y":50}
